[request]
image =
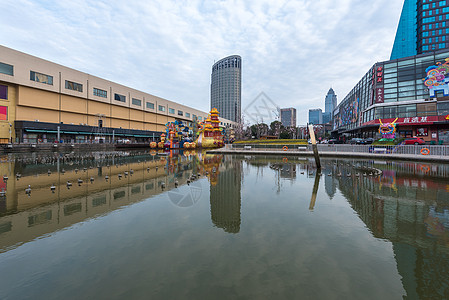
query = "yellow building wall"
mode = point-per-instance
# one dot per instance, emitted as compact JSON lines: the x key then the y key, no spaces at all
{"x":160,"y":128}
{"x":150,"y":126}
{"x":10,"y":103}
{"x":136,"y":115}
{"x":73,"y":104}
{"x":76,"y":119}
{"x":95,"y":108}
{"x":98,"y":108}
{"x":118,"y":112}
{"x":117,"y":123}
{"x":37,"y":98}
{"x":136,"y":125}
{"x":150,"y":117}
{"x":25,"y":113}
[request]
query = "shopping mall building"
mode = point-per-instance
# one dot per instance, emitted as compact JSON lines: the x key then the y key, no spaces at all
{"x":412,"y":92}
{"x":40,"y":99}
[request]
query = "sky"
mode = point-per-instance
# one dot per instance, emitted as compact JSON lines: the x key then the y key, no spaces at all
{"x":292,"y":51}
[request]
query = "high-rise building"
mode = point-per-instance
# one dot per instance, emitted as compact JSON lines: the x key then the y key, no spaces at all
{"x":423,"y":27}
{"x":315,"y":116}
{"x":330,"y":104}
{"x":226,"y":87}
{"x":288,"y":117}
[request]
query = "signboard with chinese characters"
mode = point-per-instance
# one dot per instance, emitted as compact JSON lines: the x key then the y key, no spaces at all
{"x":378,"y":81}
{"x":428,"y":120}
{"x":380,"y":95}
{"x":447,"y":117}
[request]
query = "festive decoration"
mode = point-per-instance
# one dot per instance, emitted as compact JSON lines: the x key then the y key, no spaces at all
{"x":388,"y":130}
{"x":210,"y":135}
{"x":437,"y":79}
{"x":178,"y":135}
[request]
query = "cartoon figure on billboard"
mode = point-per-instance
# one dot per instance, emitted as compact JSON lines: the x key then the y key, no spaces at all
{"x":436,"y":79}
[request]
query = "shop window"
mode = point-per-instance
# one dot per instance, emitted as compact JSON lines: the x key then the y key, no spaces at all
{"x":3,"y":92}
{"x":100,"y":93}
{"x":6,"y":69}
{"x":118,"y":97}
{"x":70,"y":85}
{"x":42,"y":78}
{"x":3,"y":113}
{"x":428,"y":109}
{"x":137,"y":102}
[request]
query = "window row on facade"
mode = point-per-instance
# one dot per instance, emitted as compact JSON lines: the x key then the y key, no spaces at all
{"x":74,"y":86}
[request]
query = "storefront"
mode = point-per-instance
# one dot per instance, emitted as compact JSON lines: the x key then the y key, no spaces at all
{"x":412,"y":93}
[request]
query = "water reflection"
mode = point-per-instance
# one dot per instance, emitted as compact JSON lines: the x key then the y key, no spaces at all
{"x":101,"y":182}
{"x":259,"y":208}
{"x":409,"y":206}
{"x":225,"y":193}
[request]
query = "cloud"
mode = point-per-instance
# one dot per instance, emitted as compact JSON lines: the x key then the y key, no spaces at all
{"x":292,"y":50}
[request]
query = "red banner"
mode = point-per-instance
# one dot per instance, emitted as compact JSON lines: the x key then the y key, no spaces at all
{"x":408,"y":121}
{"x":380,"y":95}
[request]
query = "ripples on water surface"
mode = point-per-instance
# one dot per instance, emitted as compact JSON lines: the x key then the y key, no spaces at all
{"x":249,"y":227}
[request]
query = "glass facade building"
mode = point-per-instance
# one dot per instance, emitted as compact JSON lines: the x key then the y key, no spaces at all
{"x":315,"y":116}
{"x":226,"y":87}
{"x":288,"y":117}
{"x":423,"y":27}
{"x":330,"y":103}
{"x":413,"y":92}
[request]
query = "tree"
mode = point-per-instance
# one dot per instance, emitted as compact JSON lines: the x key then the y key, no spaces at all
{"x":276,"y":128}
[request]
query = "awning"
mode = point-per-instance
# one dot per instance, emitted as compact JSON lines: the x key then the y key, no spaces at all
{"x":41,"y":130}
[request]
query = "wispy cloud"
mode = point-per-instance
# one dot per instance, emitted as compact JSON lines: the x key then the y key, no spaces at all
{"x":292,"y":50}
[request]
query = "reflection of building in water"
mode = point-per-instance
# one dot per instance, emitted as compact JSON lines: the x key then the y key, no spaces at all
{"x":412,"y":213}
{"x":330,"y":183}
{"x":288,"y":171}
{"x":24,"y":218}
{"x":225,"y":198}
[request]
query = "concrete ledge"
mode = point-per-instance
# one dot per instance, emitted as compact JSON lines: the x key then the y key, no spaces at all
{"x":382,"y":156}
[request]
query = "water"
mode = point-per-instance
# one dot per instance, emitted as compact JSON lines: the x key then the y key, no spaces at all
{"x":253,"y":228}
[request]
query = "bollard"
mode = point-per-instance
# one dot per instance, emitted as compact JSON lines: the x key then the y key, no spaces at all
{"x":314,"y":147}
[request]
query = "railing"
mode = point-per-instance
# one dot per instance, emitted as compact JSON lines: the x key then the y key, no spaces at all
{"x":286,"y":147}
{"x":432,"y":150}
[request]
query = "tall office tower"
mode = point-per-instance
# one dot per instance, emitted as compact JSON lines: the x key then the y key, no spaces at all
{"x":315,"y":116}
{"x":226,"y":87}
{"x":288,"y":117}
{"x":330,"y":103}
{"x":423,"y":27}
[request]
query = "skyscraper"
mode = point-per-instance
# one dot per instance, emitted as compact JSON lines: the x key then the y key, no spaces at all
{"x":423,"y":27}
{"x":315,"y":116}
{"x":225,"y":88}
{"x":330,"y":103}
{"x":288,"y":117}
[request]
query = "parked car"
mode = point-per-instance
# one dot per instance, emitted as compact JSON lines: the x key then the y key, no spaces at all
{"x":357,"y":141}
{"x":368,"y":141}
{"x":335,"y":141}
{"x":414,"y":141}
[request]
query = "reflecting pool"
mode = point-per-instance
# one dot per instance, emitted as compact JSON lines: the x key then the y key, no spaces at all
{"x":188,"y":225}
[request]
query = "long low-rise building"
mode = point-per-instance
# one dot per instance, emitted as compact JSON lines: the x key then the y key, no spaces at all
{"x":40,"y":99}
{"x":412,"y":92}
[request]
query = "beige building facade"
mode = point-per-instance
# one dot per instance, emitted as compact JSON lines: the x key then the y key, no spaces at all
{"x":39,"y":98}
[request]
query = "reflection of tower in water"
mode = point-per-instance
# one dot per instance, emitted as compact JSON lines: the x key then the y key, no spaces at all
{"x":225,"y":198}
{"x":330,"y":184}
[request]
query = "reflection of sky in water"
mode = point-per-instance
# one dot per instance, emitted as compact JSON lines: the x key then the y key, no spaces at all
{"x":360,"y":242}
